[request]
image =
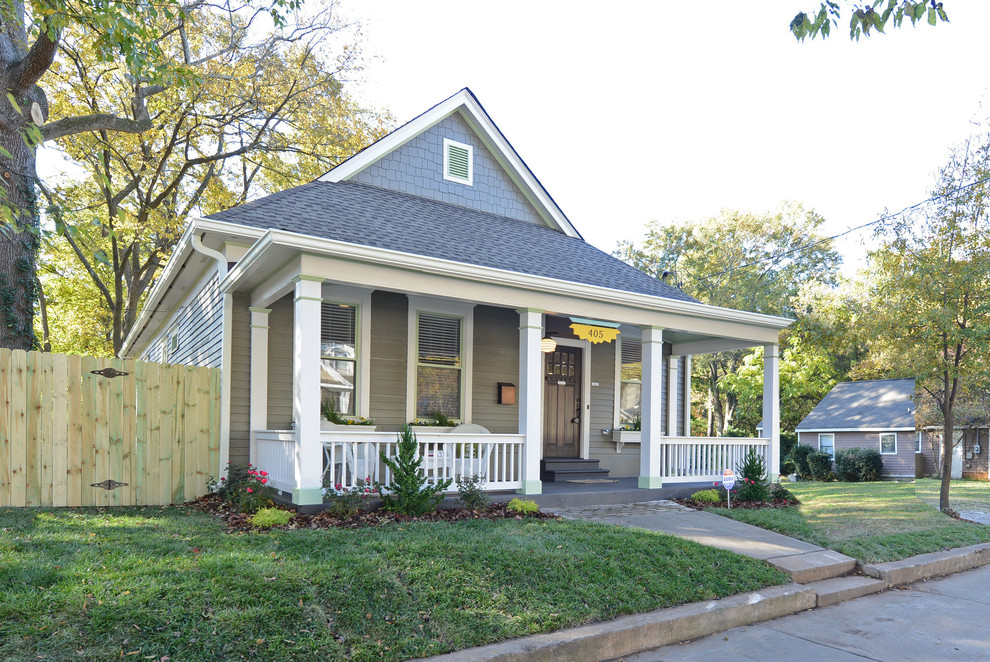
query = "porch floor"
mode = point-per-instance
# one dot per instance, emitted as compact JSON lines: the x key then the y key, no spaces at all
{"x":623,"y":490}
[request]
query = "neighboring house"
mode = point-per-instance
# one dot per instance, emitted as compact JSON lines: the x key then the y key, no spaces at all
{"x":876,"y":414}
{"x":433,"y":272}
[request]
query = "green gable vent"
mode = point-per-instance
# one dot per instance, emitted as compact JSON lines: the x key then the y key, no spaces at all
{"x":458,"y":162}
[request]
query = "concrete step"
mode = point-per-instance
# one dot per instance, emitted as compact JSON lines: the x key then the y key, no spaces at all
{"x":840,"y":589}
{"x":814,"y":566}
{"x":557,"y":475}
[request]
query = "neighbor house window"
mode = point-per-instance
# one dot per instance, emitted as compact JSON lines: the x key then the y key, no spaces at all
{"x":826,"y":443}
{"x":170,"y":346}
{"x":917,"y":442}
{"x":630,"y":382}
{"x":888,"y":443}
{"x":439,"y":366}
{"x":338,"y":358}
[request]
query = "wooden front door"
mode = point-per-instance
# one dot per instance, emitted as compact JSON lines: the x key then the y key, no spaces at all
{"x":562,"y":403}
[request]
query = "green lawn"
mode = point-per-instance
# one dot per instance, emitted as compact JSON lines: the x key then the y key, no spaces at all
{"x":875,"y":522}
{"x":149,"y":583}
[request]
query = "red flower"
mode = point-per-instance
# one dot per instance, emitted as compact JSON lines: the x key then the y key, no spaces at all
{"x":249,"y":490}
{"x":264,"y":480}
{"x":263,"y":473}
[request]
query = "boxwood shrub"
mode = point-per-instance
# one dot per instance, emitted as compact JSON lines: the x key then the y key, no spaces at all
{"x":820,"y":464}
{"x":858,"y":464}
{"x":799,"y":456}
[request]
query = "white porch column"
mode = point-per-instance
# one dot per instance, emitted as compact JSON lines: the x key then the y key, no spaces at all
{"x":531,"y":397}
{"x":771,"y":408}
{"x":672,"y":364}
{"x":306,"y":390}
{"x":687,"y":395}
{"x":651,"y":408}
{"x":259,"y":377}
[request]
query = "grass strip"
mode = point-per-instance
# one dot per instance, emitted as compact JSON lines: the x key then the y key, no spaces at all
{"x":156,"y":583}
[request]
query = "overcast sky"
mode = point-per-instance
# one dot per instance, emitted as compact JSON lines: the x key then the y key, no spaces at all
{"x":634,"y":111}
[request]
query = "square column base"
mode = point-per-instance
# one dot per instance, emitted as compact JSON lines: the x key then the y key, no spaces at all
{"x":650,"y":482}
{"x":531,"y":487}
{"x":307,"y":496}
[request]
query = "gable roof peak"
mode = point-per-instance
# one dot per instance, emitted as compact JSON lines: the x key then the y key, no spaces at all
{"x":465,"y":103}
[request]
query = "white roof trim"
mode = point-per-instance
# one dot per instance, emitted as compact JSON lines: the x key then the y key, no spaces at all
{"x":182,"y":250}
{"x":452,"y":269}
{"x":465,"y":102}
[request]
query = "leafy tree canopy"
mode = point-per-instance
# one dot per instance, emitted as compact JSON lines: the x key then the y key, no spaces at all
{"x":866,"y":17}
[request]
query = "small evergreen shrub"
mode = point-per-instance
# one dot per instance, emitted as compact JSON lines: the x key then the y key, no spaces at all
{"x":470,"y":492}
{"x":266,"y":518}
{"x":410,"y":493}
{"x":778,"y":491}
{"x":858,"y":464}
{"x":752,"y":473}
{"x":799,"y":456}
{"x":820,"y":465}
{"x":243,"y":489}
{"x":522,"y":506}
{"x":708,"y":496}
{"x":788,"y":440}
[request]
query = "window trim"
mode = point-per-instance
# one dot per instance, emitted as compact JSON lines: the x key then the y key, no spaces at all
{"x":465,"y":311}
{"x":827,"y":434}
{"x":887,"y":434}
{"x":171,"y":337}
{"x":447,"y":144}
{"x":617,"y":404}
{"x":919,"y":442}
{"x":360,"y":299}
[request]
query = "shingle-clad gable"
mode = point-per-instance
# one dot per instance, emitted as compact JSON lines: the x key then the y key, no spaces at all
{"x":417,"y":168}
{"x":878,"y":404}
{"x":372,"y":216}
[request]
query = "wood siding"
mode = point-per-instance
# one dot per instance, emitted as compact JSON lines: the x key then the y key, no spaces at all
{"x":389,"y":324}
{"x":900,"y":465}
{"x":975,"y":464}
{"x":240,"y":386}
{"x":154,"y":430}
{"x":198,"y":321}
{"x":496,"y":359}
{"x":280,"y":364}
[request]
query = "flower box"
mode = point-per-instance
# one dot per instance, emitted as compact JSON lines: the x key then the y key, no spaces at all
{"x":337,"y":427}
{"x":621,"y":437}
{"x":431,"y":429}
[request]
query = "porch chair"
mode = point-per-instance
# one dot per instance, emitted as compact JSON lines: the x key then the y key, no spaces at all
{"x":477,"y":465}
{"x":360,"y":461}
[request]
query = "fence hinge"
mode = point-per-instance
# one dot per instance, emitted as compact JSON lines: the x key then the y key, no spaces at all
{"x":109,"y":484}
{"x":109,"y":373}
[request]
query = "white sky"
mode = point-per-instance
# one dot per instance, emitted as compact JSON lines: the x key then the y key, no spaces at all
{"x":634,"y":111}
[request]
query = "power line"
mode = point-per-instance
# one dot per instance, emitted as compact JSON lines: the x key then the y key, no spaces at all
{"x":911,"y":208}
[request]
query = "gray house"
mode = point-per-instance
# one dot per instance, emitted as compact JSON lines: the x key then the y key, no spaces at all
{"x":431,"y":273}
{"x":870,"y":414}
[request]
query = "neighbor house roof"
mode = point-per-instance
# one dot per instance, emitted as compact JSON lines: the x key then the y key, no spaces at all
{"x":879,"y":404}
{"x":372,"y":216}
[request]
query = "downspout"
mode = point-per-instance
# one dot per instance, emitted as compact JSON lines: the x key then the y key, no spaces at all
{"x":227,"y":333}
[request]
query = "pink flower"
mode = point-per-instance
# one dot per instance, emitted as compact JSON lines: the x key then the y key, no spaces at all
{"x":264,"y":480}
{"x":337,"y":486}
{"x":249,"y":490}
{"x":262,"y":473}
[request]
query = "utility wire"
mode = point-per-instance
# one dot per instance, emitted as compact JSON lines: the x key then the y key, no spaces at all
{"x":914,"y":207}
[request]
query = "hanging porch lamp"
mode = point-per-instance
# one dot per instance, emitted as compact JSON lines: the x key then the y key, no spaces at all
{"x":548,"y":344}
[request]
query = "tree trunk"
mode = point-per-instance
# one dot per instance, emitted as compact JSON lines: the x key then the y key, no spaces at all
{"x":948,"y":433}
{"x":19,"y":244}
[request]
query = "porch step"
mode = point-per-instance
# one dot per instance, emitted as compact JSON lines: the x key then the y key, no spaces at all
{"x":556,"y":470}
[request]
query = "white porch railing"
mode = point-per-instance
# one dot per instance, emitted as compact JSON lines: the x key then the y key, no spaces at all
{"x":351,"y":458}
{"x":277,"y":456}
{"x":698,"y":459}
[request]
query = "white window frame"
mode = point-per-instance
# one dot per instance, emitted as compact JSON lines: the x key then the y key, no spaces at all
{"x":465,"y":311}
{"x":447,"y":143}
{"x":827,"y":434}
{"x":360,"y":299}
{"x":918,"y":442}
{"x":171,"y":337}
{"x":617,"y":404}
{"x":887,"y":434}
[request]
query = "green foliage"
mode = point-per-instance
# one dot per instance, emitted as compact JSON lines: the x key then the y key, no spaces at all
{"x":343,"y":502}
{"x":708,"y":496}
{"x":799,"y":456}
{"x":866,"y":17}
{"x":858,"y":464}
{"x":331,"y":414}
{"x":732,"y":431}
{"x":522,"y":506}
{"x":410,"y":493}
{"x":471,"y":494}
{"x":243,"y":489}
{"x":752,"y":475}
{"x":266,"y":518}
{"x":820,"y":466}
{"x":778,"y":491}
{"x":788,"y":440}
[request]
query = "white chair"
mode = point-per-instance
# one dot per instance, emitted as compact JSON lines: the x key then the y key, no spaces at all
{"x":474,"y":455}
{"x":360,"y":460}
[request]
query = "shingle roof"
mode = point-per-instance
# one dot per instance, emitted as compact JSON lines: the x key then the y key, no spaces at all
{"x":372,"y":216}
{"x":874,"y":404}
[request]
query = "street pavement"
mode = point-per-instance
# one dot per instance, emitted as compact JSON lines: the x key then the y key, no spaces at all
{"x":943,"y":619}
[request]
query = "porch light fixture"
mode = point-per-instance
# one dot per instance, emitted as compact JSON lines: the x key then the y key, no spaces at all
{"x":506,"y":393}
{"x":548,"y":344}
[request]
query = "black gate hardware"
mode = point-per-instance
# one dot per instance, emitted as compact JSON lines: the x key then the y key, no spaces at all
{"x":109,"y":373}
{"x":109,"y":484}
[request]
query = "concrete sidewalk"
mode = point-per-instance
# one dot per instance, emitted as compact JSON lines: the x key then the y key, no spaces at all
{"x":803,"y":561}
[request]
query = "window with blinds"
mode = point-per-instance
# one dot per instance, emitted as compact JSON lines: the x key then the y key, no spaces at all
{"x":338,"y":358}
{"x":438,"y":370}
{"x":458,"y":162}
{"x":630,"y":381}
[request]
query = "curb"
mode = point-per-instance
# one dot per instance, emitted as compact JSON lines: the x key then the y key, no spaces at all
{"x":638,"y":632}
{"x":635,"y":633}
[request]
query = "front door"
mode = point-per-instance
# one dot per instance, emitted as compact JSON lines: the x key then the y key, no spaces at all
{"x":562,"y":403}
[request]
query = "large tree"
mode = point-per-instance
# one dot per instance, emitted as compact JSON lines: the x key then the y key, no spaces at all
{"x":931,"y":291}
{"x":268,"y":111}
{"x":754,"y":262}
{"x":138,"y":38}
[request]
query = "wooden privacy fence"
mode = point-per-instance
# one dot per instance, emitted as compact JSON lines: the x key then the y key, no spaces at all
{"x":67,"y":434}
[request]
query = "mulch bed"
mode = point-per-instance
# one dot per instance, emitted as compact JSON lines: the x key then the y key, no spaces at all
{"x":753,"y":505}
{"x":237,"y":522}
